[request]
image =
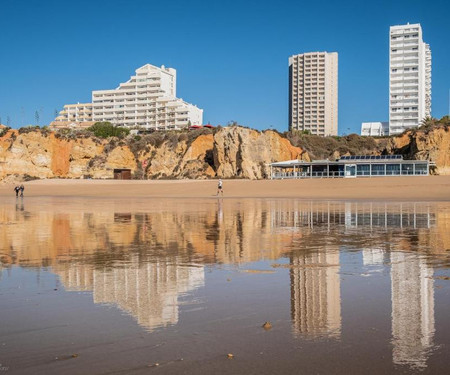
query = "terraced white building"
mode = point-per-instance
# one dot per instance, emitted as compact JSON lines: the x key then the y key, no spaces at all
{"x":147,"y":100}
{"x":409,"y":78}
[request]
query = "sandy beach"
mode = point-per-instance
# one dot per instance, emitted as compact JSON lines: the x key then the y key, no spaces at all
{"x":427,"y":188}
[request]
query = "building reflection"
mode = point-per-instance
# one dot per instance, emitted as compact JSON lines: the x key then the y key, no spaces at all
{"x":412,"y":309}
{"x":144,"y":258}
{"x":315,"y":293}
{"x":149,"y":292}
{"x":314,"y":269}
{"x":368,"y":215}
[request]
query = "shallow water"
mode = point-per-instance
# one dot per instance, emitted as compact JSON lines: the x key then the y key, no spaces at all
{"x":174,"y":286}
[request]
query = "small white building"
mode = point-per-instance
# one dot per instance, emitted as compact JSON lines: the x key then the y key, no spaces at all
{"x":375,"y":129}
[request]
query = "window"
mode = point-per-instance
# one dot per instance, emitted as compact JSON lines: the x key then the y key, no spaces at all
{"x":377,"y":169}
{"x":392,"y":169}
{"x":363,"y":170}
{"x":421,"y":168}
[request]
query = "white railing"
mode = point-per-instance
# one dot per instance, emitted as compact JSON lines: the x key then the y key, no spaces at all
{"x":341,"y":174}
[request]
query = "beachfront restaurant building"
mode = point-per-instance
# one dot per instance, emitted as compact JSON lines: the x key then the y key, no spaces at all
{"x":350,"y":167}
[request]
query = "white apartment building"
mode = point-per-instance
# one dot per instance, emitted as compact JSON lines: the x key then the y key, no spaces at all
{"x":147,"y":100}
{"x":375,"y":129}
{"x":409,"y":78}
{"x":79,"y":112}
{"x":313,"y":93}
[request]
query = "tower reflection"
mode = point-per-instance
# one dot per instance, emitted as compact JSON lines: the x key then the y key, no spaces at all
{"x":145,"y":258}
{"x":412,"y":309}
{"x":316,"y":294}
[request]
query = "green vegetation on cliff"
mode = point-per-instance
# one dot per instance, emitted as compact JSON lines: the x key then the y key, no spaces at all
{"x":106,"y":130}
{"x":354,"y":144}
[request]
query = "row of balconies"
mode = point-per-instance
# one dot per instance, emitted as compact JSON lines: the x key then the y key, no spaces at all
{"x":139,"y":113}
{"x":131,"y":120}
{"x":404,"y":91}
{"x":405,"y":61}
{"x":137,"y":86}
{"x":401,"y":75}
{"x":126,"y":99}
{"x":404,"y":109}
{"x":126,"y":93}
{"x":309,"y":98}
{"x":309,"y":59}
{"x":410,"y":83}
{"x":395,"y":82}
{"x":404,"y":118}
{"x":312,"y":104}
{"x":404,"y":41}
{"x":139,"y":109}
{"x":401,"y":104}
{"x":405,"y":33}
{"x":308,"y":80}
{"x":405,"y":49}
{"x":401,"y":70}
{"x":309,"y":74}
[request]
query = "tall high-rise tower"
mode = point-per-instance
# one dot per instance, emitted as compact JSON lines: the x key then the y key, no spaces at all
{"x":313,"y":92}
{"x":409,"y":78}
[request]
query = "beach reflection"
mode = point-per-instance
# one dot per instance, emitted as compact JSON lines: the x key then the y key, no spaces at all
{"x":145,"y":256}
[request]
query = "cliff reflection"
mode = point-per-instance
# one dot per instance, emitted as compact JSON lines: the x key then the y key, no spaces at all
{"x":143,"y":256}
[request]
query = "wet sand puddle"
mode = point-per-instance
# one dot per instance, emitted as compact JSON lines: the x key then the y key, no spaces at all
{"x":223,"y":286}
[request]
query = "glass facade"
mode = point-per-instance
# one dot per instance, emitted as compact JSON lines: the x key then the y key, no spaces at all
{"x":377,"y":169}
{"x":421,"y":169}
{"x":352,"y":166}
{"x":407,"y":169}
{"x":392,"y":169}
{"x":363,"y":170}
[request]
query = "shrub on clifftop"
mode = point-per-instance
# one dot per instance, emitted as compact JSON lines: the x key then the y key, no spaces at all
{"x":106,"y":130}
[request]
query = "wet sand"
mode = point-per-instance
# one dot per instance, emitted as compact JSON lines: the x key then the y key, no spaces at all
{"x":427,"y":188}
{"x":172,"y":286}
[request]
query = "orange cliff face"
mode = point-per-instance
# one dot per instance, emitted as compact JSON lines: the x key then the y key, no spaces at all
{"x":242,"y":152}
{"x":231,"y":152}
{"x":433,"y":145}
{"x":42,"y":155}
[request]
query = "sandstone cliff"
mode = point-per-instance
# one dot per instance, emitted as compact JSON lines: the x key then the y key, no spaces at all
{"x":231,"y":152}
{"x":432,"y":145}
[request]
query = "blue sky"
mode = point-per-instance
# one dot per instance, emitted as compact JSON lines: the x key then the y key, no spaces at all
{"x":231,"y":56}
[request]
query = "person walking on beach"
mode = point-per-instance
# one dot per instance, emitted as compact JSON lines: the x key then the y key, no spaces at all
{"x":220,"y":187}
{"x":22,"y":188}
{"x":17,"y":189}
